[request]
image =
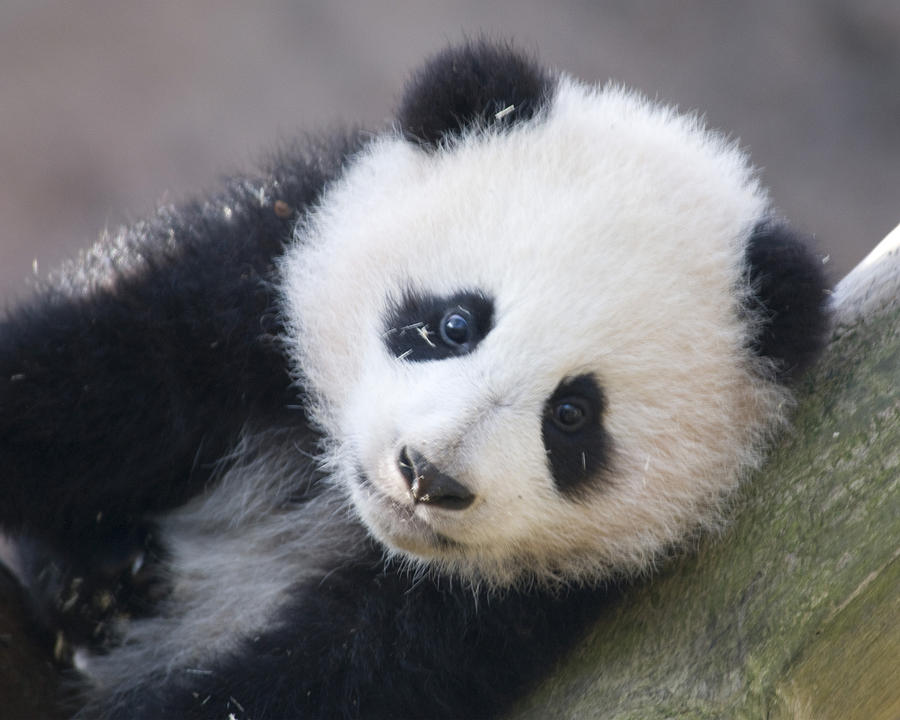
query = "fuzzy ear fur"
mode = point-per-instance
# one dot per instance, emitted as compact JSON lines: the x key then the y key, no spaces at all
{"x":468,"y":85}
{"x":791,"y":295}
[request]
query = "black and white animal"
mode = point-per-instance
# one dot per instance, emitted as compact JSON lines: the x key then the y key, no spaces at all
{"x":366,"y":436}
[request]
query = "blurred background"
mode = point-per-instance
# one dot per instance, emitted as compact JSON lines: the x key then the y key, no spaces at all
{"x":108,"y":108}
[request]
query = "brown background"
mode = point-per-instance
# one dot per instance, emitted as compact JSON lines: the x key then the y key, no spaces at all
{"x":107,"y":108}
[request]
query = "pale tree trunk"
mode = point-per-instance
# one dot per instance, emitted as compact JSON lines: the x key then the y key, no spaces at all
{"x":794,"y":611}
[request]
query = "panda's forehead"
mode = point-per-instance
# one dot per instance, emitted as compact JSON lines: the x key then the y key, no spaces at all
{"x":600,"y":184}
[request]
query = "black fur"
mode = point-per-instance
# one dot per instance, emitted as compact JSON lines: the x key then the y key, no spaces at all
{"x":791,"y":293}
{"x":122,"y":387}
{"x":577,"y":457}
{"x":371,"y":642}
{"x":412,"y":328}
{"x":467,"y":86}
{"x":82,"y":592}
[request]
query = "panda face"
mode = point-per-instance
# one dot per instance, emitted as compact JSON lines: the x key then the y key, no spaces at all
{"x":527,"y":349}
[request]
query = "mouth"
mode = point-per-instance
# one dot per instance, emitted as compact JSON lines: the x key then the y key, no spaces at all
{"x":396,"y":524}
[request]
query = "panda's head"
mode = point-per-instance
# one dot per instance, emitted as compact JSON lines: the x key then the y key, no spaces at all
{"x":544,"y":326}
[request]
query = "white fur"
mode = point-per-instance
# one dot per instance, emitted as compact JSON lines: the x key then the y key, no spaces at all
{"x":237,"y":553}
{"x":610,"y":232}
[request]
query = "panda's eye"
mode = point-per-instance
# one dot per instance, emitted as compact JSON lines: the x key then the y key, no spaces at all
{"x":577,"y":444}
{"x":456,"y":327}
{"x":421,"y":328}
{"x":570,"y":414}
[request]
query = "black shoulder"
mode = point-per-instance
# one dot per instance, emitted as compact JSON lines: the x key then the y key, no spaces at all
{"x":790,"y":297}
{"x":127,"y":379}
{"x":468,"y":86}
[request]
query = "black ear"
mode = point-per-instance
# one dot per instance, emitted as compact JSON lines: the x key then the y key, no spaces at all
{"x":790,"y":294}
{"x":468,"y":86}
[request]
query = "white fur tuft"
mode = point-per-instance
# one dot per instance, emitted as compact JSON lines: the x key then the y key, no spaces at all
{"x":236,"y":553}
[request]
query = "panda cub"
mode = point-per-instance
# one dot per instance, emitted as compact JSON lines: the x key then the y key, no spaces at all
{"x":370,"y":435}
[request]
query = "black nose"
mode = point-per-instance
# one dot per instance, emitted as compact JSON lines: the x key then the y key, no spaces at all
{"x":429,"y":485}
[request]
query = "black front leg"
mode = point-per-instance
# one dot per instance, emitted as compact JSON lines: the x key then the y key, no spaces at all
{"x":367,"y":642}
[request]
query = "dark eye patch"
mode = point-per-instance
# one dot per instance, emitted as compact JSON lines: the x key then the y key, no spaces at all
{"x":431,"y":327}
{"x":576,"y":443}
